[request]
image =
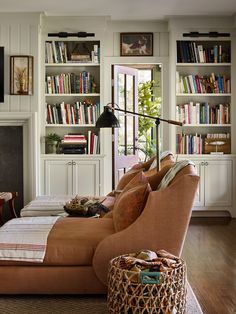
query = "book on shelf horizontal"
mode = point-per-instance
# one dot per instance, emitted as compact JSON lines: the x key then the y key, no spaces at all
{"x":77,"y":113}
{"x":206,"y":84}
{"x":196,"y":52}
{"x":203,"y":113}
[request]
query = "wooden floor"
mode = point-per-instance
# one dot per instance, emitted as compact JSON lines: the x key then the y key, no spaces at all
{"x":210,"y":254}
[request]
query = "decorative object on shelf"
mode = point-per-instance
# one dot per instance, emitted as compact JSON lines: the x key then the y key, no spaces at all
{"x":65,"y":34}
{"x":108,"y":120}
{"x":217,"y":144}
{"x":136,"y":44}
{"x":52,"y":140}
{"x":21,"y":75}
{"x":210,"y":34}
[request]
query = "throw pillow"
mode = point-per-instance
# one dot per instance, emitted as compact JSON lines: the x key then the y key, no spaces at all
{"x":127,"y":177}
{"x":129,"y":206}
{"x":137,"y":180}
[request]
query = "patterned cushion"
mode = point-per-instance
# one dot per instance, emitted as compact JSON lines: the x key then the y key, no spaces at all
{"x":129,"y":206}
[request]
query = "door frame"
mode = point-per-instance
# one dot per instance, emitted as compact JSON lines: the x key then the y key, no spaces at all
{"x":106,"y":97}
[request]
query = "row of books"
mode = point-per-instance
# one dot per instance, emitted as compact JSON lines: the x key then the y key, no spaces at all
{"x":203,"y":113}
{"x":58,"y":52}
{"x":195,"y":143}
{"x":193,"y":84}
{"x":70,"y":83}
{"x":192,"y":52}
{"x":78,"y":144}
{"x":77,"y":113}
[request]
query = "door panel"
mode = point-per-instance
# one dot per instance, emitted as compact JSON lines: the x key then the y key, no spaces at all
{"x":125,"y":95}
{"x":218,"y":183}
{"x":58,"y":177}
{"x":86,"y":178}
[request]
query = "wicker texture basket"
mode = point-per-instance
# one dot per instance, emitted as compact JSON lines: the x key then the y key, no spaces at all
{"x":127,"y":295}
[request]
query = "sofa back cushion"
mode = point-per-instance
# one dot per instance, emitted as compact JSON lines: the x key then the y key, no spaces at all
{"x":129,"y":206}
{"x":127,"y":177}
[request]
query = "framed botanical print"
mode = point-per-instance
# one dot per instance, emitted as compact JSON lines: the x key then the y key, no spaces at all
{"x":21,"y":75}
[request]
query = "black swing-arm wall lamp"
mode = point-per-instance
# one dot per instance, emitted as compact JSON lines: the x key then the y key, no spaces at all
{"x":108,"y":120}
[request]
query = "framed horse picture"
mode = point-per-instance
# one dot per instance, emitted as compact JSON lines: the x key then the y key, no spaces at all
{"x":136,"y":44}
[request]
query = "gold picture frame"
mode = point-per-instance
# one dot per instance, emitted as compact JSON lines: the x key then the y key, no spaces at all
{"x":21,"y":75}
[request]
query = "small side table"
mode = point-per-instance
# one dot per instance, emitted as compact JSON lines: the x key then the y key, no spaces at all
{"x":7,"y":197}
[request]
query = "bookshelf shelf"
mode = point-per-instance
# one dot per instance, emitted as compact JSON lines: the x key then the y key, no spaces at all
{"x":72,"y":64}
{"x":179,"y":64}
{"x":207,"y":125}
{"x":70,"y":125}
{"x":74,"y":95}
{"x":203,"y":95}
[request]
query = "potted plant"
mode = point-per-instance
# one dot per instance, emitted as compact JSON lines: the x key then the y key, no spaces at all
{"x":52,"y":140}
{"x":148,"y":104}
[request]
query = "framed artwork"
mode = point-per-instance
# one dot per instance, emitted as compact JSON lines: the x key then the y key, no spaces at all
{"x":21,"y":75}
{"x":136,"y":44}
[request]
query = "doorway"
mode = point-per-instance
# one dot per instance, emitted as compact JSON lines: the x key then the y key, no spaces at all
{"x":138,"y":88}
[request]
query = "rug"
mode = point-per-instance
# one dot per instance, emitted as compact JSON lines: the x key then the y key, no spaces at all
{"x":69,"y":304}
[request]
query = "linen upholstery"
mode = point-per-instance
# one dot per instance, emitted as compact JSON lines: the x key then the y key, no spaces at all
{"x":162,"y":224}
{"x":72,"y":241}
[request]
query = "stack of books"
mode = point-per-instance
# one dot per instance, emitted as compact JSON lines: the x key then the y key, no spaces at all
{"x":74,"y":144}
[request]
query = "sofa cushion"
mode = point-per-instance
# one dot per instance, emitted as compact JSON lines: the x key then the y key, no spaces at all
{"x":72,"y":241}
{"x":129,"y":206}
{"x":155,"y":179}
{"x":109,"y":202}
{"x":137,"y":180}
{"x":127,"y":177}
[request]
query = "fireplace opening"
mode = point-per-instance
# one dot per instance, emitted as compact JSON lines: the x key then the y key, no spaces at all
{"x":11,"y":164}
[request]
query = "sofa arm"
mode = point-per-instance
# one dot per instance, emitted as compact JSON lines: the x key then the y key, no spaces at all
{"x":162,"y":225}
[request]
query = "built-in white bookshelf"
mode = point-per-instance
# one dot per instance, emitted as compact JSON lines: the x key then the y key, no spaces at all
{"x":203,"y":93}
{"x":72,"y":90}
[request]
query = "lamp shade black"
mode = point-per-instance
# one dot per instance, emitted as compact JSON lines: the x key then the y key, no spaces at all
{"x":107,"y":119}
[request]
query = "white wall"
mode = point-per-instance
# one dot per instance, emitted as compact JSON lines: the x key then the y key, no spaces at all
{"x":19,"y":34}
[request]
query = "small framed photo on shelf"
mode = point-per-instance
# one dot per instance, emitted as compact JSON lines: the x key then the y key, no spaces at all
{"x":21,"y":75}
{"x":136,"y":44}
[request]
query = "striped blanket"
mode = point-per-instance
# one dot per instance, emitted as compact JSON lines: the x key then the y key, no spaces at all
{"x":46,"y":206}
{"x":25,"y":239}
{"x":171,"y":173}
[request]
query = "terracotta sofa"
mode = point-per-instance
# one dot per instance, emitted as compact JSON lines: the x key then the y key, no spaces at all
{"x":79,"y":249}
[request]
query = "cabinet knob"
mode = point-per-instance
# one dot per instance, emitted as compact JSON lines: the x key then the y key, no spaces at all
{"x":206,"y":163}
{"x":202,"y":163}
{"x":73,"y":163}
{"x":69,"y":163}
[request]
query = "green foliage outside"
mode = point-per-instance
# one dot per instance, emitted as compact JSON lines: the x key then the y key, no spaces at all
{"x":148,"y":104}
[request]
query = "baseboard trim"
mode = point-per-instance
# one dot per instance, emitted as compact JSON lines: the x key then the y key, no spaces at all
{"x":211,"y":213}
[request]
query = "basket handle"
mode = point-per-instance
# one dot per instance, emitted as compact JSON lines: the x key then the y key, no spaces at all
{"x":148,"y":277}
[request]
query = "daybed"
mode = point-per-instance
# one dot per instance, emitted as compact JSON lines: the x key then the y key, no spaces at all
{"x":79,"y":249}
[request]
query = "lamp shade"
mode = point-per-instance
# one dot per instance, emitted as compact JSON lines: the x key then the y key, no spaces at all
{"x":107,"y":119}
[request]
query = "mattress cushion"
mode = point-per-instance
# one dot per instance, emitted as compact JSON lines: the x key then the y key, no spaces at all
{"x":72,"y":241}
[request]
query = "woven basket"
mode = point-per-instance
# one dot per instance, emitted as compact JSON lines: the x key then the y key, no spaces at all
{"x":126,"y":295}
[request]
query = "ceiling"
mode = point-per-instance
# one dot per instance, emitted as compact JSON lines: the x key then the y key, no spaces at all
{"x":123,"y":9}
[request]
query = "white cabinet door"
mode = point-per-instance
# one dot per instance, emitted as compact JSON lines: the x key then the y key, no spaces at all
{"x":218,"y":183}
{"x":86,"y":177}
{"x":58,"y":177}
{"x":200,"y":195}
